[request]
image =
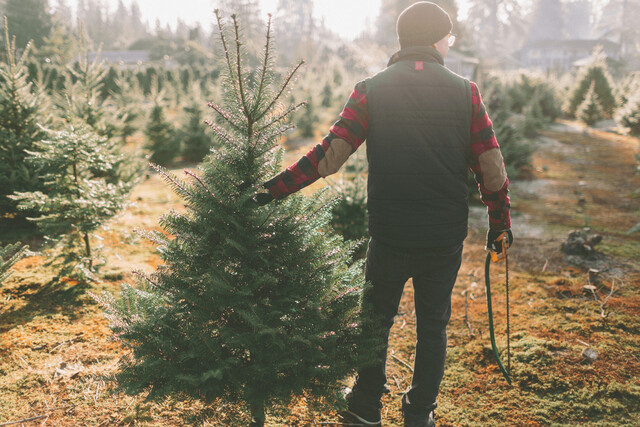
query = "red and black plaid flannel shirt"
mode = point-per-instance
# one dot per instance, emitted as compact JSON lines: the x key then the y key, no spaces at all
{"x":353,"y":127}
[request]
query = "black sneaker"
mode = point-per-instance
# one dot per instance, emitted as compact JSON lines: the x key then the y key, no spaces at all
{"x":414,"y":420}
{"x":361,"y":413}
{"x":417,"y":416}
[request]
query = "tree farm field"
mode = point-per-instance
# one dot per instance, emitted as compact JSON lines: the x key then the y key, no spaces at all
{"x":56,"y":346}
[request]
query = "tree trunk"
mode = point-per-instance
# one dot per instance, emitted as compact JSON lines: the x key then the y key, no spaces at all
{"x":258,"y":416}
{"x":88,"y":249}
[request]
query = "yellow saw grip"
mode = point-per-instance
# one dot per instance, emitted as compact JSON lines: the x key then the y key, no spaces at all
{"x":503,"y":238}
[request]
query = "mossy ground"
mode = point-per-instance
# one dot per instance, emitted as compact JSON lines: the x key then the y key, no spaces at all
{"x":49,"y":323}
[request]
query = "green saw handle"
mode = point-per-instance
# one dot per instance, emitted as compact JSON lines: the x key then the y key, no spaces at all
{"x":487,"y":280}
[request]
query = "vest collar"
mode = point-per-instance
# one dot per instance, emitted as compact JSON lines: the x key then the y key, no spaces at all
{"x":417,"y":53}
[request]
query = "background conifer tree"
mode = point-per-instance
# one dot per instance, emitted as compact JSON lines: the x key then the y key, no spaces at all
{"x":82,"y":98}
{"x":252,"y":304}
{"x":590,"y":111}
{"x":629,"y":115}
{"x":88,"y":181}
{"x":327,"y":95}
{"x":306,"y":119}
{"x":21,"y":111}
{"x":161,"y":135}
{"x":597,"y":75}
{"x":127,"y":99}
{"x":196,"y":139}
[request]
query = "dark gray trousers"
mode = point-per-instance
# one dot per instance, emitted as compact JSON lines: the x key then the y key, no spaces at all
{"x":434,"y":273}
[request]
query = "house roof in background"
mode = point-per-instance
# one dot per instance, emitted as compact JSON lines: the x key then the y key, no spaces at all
{"x":575,"y":44}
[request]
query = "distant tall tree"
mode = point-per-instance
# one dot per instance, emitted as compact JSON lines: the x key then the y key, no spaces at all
{"x":294,"y":20}
{"x":62,"y":13}
{"x":28,"y":20}
{"x":548,"y":22}
{"x":248,"y":12}
{"x":497,"y":26}
{"x":118,"y":26}
{"x":618,"y":22}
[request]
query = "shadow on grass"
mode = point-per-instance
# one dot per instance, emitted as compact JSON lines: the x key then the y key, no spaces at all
{"x":20,"y":230}
{"x":43,"y":298}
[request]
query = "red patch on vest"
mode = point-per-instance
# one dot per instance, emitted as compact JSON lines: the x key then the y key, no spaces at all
{"x":419,"y":65}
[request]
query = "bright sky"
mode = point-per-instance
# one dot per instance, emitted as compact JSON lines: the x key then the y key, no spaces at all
{"x":345,"y":17}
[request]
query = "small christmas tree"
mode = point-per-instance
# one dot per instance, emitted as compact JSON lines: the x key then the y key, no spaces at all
{"x":9,"y":255}
{"x":196,"y":141}
{"x":88,"y":181}
{"x":127,"y":100}
{"x":597,"y":75}
{"x":306,"y":120}
{"x":21,"y":110}
{"x":349,"y":215}
{"x":327,"y":95}
{"x":252,"y":304}
{"x":161,"y":137}
{"x":629,"y":115}
{"x":83,"y":94}
{"x":590,"y":110}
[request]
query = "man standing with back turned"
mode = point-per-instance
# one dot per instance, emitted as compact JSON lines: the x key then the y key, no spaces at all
{"x":424,"y":126}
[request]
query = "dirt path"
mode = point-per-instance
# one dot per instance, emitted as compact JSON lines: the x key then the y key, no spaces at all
{"x":580,"y":180}
{"x":54,"y":340}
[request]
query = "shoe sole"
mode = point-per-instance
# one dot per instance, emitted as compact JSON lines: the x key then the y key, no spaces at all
{"x":362,"y":421}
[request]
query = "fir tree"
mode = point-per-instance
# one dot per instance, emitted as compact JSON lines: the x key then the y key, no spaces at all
{"x":597,"y":75}
{"x":196,"y":141}
{"x":88,"y":181}
{"x":349,"y":215}
{"x":127,"y":100}
{"x":252,"y":303}
{"x":327,"y":95}
{"x":30,"y":20}
{"x":629,"y":115}
{"x":590,"y":111}
{"x":21,"y":112}
{"x":82,"y":96}
{"x":307,"y":119}
{"x":9,"y":255}
{"x":161,"y":138}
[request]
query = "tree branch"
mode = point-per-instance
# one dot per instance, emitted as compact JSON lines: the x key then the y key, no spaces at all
{"x":224,"y":45}
{"x":239,"y":68}
{"x":282,"y":116}
{"x":265,"y":63}
{"x":284,"y":86}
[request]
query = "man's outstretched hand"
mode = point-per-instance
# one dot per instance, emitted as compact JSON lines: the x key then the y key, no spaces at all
{"x":492,"y":235}
{"x":262,"y":198}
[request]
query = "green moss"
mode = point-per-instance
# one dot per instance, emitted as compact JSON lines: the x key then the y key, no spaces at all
{"x":624,"y":249}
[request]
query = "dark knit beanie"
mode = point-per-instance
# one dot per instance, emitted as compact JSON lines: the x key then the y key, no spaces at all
{"x":423,"y":24}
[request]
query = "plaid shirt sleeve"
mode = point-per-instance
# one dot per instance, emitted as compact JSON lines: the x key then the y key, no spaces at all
{"x":351,"y":127}
{"x":483,"y":139}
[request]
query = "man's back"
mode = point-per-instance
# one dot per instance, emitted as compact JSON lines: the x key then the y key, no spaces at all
{"x":418,"y":148}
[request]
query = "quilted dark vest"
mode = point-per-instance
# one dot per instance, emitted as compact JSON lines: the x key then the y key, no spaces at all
{"x":418,"y":148}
